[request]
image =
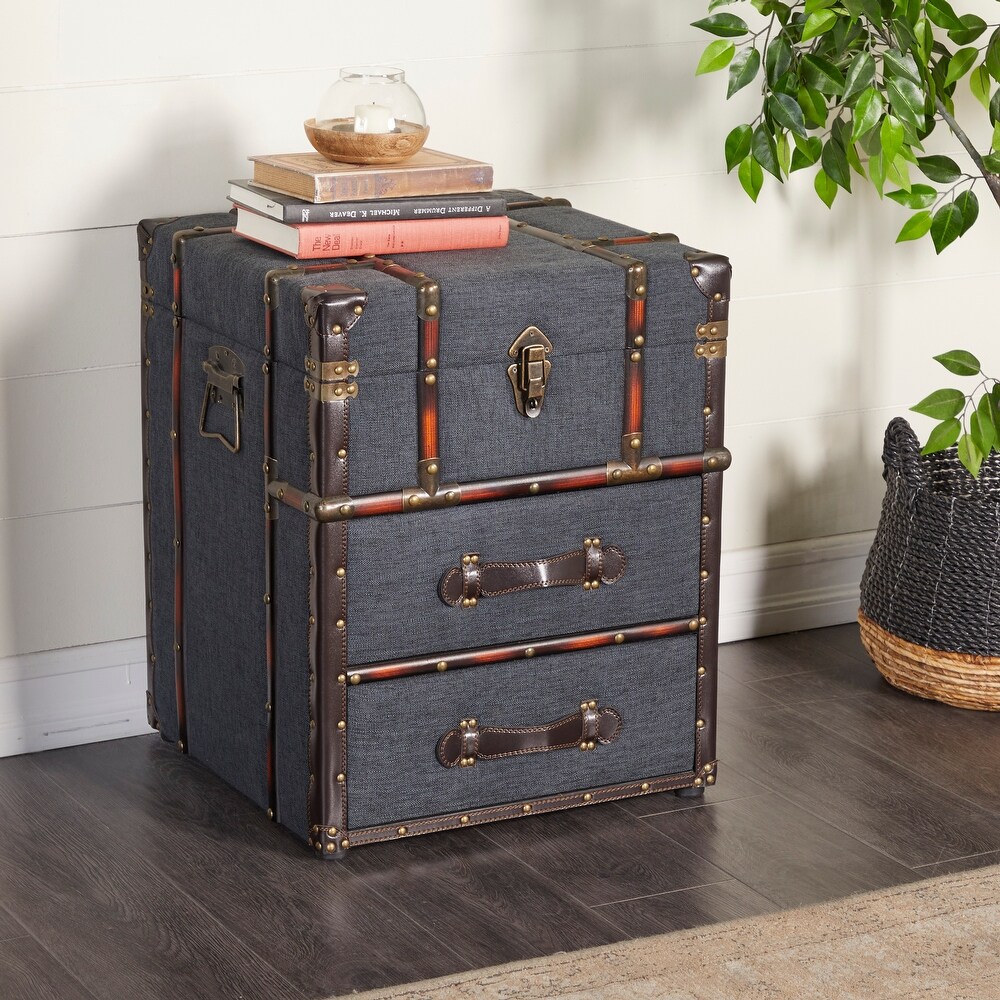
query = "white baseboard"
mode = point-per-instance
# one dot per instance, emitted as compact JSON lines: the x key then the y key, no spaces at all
{"x":86,"y":694}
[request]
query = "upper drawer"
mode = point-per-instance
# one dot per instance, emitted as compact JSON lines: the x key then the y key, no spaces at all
{"x":396,"y":565}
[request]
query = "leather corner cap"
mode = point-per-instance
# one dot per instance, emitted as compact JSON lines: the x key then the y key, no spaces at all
{"x":580,"y":568}
{"x":342,"y":302}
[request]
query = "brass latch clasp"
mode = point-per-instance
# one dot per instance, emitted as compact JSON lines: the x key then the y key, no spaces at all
{"x":529,"y":375}
{"x":224,"y":372}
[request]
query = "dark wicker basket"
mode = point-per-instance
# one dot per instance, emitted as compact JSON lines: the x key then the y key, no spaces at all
{"x":930,"y":594}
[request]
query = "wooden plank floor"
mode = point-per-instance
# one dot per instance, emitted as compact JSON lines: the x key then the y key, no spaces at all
{"x":127,"y":871}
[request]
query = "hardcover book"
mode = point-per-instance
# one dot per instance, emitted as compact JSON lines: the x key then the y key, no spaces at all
{"x":286,"y":208}
{"x":311,"y":177}
{"x":352,"y":239}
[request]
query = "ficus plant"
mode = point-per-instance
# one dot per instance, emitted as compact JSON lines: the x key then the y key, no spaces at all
{"x":851,"y":89}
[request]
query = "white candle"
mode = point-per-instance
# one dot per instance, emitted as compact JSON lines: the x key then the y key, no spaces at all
{"x":373,"y":118}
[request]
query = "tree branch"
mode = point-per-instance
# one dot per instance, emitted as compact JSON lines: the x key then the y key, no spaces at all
{"x":992,"y":180}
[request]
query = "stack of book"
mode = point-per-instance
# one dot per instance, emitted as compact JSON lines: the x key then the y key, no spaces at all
{"x":309,"y":207}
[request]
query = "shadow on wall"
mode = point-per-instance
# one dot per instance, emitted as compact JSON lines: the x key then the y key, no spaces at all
{"x":57,"y":575}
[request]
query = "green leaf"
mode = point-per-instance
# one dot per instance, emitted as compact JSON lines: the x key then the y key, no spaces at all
{"x":807,"y":152}
{"x":942,"y":169}
{"x":835,"y":164}
{"x":979,"y":84}
{"x":995,"y":108}
{"x":867,"y":112}
{"x":825,"y":188}
{"x":860,"y":74}
{"x":865,"y":8}
{"x":941,"y":13}
{"x":764,"y":151}
{"x":995,"y":143}
{"x":944,"y":435}
{"x":925,"y":38}
{"x":947,"y":226}
{"x":919,"y":196}
{"x":959,"y":362}
{"x":737,"y":146}
{"x":898,"y":171}
{"x":820,"y":74}
{"x":891,"y":135}
{"x":784,"y":151}
{"x":778,"y":58}
{"x":992,"y":163}
{"x":972,"y":27}
{"x":992,"y":61}
{"x":968,"y":205}
{"x":786,"y":112}
{"x":716,"y":56}
{"x":876,"y":171}
{"x":751,"y":177}
{"x":742,"y":70}
{"x":818,"y":24}
{"x":941,"y":404}
{"x":813,"y":106}
{"x":716,"y":4}
{"x":969,"y":455}
{"x":906,"y":100}
{"x":901,"y":64}
{"x":723,"y":25}
{"x":916,"y":226}
{"x":985,"y":432}
{"x":961,"y":62}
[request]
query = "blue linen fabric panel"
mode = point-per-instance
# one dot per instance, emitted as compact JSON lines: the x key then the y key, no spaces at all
{"x":393,"y":729}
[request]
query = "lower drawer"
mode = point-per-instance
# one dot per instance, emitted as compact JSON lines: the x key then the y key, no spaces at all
{"x":394,"y":727}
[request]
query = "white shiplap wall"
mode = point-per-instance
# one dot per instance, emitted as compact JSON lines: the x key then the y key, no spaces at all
{"x":115,"y":112}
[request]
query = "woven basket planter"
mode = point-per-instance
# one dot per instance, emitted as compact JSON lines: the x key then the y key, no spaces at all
{"x":930,"y":594}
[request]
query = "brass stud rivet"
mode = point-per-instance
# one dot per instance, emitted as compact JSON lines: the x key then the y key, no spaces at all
{"x":586,"y":585}
{"x":529,"y":652}
{"x":712,"y":463}
{"x":432,"y":468}
{"x":341,"y":623}
{"x":341,"y":777}
{"x":173,"y":435}
{"x":617,"y":474}
{"x":693,"y":624}
{"x":704,"y":574}
{"x":338,"y":370}
{"x":342,"y":725}
{"x":342,"y":453}
{"x":402,"y":831}
{"x":636,"y":356}
{"x":148,"y":414}
{"x":180,"y":745}
{"x":414,"y":500}
{"x":639,"y":340}
{"x":464,"y":820}
{"x":336,"y":329}
{"x":702,"y":330}
{"x":358,"y":310}
{"x":634,"y":443}
{"x":583,"y":746}
{"x":451,"y":496}
{"x":717,"y":297}
{"x":708,"y":768}
{"x":345,"y":509}
{"x":475,"y":559}
{"x":706,"y":520}
{"x":265,"y":367}
{"x":710,"y":780}
{"x":270,"y":814}
{"x":644,"y":787}
{"x":337,"y":390}
{"x":588,"y":797}
{"x":640,"y":289}
{"x":442,"y":666}
{"x":526,"y":808}
{"x":341,"y":572}
{"x":312,"y":620}
{"x":431,"y":310}
{"x":312,"y":723}
{"x":267,"y":598}
{"x":281,"y":494}
{"x":698,"y":782}
{"x":341,"y":678}
{"x":355,"y":678}
{"x":430,"y":379}
{"x":148,"y":362}
{"x":699,"y":351}
{"x":701,"y":671}
{"x":695,"y":271}
{"x":305,"y":506}
{"x":177,"y":647}
{"x":702,"y":620}
{"x":345,"y":844}
{"x":707,"y":411}
{"x":650,"y":470}
{"x":587,"y":542}
{"x":466,"y":560}
{"x":432,"y":362}
{"x":330,"y":848}
{"x":713,"y":349}
{"x":620,"y":638}
{"x":534,"y":488}
{"x":699,"y":724}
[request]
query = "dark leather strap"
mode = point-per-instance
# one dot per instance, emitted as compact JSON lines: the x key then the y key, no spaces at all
{"x":584,"y":730}
{"x":464,"y":585}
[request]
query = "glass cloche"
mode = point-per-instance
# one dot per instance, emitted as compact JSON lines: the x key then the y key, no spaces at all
{"x":370,"y":115}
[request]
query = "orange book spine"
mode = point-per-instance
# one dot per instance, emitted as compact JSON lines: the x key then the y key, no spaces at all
{"x":350,"y":239}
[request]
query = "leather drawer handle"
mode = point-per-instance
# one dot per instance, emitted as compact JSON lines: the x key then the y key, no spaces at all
{"x":586,"y":729}
{"x":590,"y":566}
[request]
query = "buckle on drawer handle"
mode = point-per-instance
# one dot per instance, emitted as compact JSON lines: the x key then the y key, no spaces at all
{"x":224,"y":372}
{"x":529,"y":375}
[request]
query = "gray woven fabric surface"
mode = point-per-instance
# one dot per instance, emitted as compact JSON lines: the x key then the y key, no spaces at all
{"x":394,"y":774}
